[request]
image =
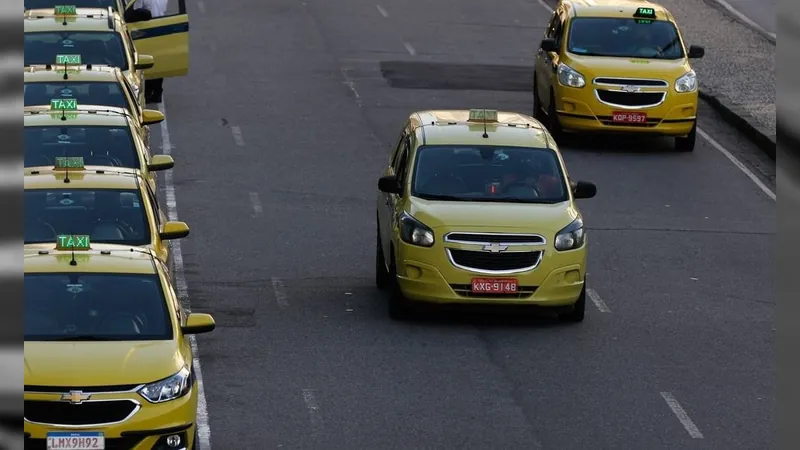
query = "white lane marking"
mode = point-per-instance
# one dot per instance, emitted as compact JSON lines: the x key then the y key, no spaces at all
{"x":203,"y":427}
{"x":201,"y":6}
{"x":9,"y":260}
{"x":545,"y":5}
{"x":738,"y":164}
{"x":279,"y":289}
{"x":682,"y":416}
{"x":597,"y":300}
{"x":309,"y":396}
{"x":352,"y":85}
{"x":380,"y":10}
{"x":254,"y":200}
{"x":745,"y":19}
{"x":10,"y":174}
{"x":411,"y":50}
{"x":237,"y":136}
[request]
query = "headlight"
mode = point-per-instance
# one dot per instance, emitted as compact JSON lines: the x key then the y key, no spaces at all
{"x":412,"y":231}
{"x":571,"y":237}
{"x":168,"y":389}
{"x":686,"y":83}
{"x":570,"y":77}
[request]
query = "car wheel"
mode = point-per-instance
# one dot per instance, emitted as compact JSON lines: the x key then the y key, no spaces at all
{"x":553,"y":125}
{"x":381,"y":273}
{"x":579,"y":311}
{"x":399,"y":307}
{"x":686,"y":144}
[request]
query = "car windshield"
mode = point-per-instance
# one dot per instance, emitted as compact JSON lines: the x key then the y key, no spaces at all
{"x":111,"y":216}
{"x":624,"y":38}
{"x":95,"y":47}
{"x":47,"y":4}
{"x":488,"y":174}
{"x":97,"y":145}
{"x":85,"y":93}
{"x":95,"y":307}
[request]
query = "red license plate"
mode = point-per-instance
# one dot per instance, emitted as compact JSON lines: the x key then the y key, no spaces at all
{"x":494,"y":285}
{"x":628,"y":117}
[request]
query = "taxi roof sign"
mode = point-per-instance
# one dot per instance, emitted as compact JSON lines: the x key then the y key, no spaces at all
{"x":73,"y":242}
{"x":68,"y":60}
{"x":69,"y":162}
{"x":63,"y":104}
{"x":65,"y":10}
{"x":483,"y":115}
{"x":645,"y":12}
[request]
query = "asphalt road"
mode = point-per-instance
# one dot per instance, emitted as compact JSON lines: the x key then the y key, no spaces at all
{"x":280,"y":133}
{"x":762,"y":12}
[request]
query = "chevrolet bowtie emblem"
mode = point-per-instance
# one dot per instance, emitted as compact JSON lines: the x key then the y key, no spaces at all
{"x":75,"y":397}
{"x":631,"y":89}
{"x":495,"y":248}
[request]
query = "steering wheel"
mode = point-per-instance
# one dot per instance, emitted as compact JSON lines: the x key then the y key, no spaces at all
{"x":123,"y":226}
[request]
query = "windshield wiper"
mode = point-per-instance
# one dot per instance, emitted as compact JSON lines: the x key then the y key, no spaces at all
{"x":84,"y":337}
{"x":442,"y":197}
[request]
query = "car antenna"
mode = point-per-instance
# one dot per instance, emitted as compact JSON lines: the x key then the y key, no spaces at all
{"x":66,"y":173}
{"x":73,"y":261}
{"x":66,"y":77}
{"x":485,"y":134}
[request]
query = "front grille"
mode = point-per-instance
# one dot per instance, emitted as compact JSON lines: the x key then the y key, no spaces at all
{"x":495,"y":238}
{"x":84,"y":389}
{"x":630,"y":98}
{"x":125,"y":443}
{"x":88,"y":413}
{"x":631,"y":82}
{"x":495,"y":261}
{"x":465,"y":290}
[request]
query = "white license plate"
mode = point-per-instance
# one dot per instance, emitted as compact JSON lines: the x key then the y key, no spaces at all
{"x":76,"y":440}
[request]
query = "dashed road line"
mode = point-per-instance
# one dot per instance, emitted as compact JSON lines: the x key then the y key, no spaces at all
{"x":682,"y":416}
{"x":411,"y":50}
{"x":383,"y":12}
{"x":256,"y":203}
{"x":597,"y":300}
{"x":310,"y":397}
{"x":279,"y":289}
{"x":237,"y":136}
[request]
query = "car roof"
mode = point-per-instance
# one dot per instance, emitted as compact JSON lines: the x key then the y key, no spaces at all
{"x":612,"y":8}
{"x":86,"y":19}
{"x":451,"y":127}
{"x":88,"y":116}
{"x":55,"y":74}
{"x":90,"y":178}
{"x":102,"y":258}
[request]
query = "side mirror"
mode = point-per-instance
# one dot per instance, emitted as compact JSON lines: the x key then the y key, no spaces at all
{"x":584,"y":189}
{"x":174,"y":230}
{"x":549,"y":45}
{"x":696,"y":51}
{"x":152,"y":117}
{"x":161,"y":162}
{"x":390,"y":185}
{"x":198,"y":323}
{"x":144,"y":62}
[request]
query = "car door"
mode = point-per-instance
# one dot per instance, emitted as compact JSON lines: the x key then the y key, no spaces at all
{"x":166,"y":39}
{"x":547,"y":62}
{"x":162,"y":248}
{"x":392,"y":201}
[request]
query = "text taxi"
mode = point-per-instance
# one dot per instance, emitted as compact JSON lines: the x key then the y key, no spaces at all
{"x":108,"y":362}
{"x":616,"y":66}
{"x":477,"y":207}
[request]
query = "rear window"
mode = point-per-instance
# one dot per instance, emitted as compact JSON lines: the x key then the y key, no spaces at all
{"x":98,"y":145}
{"x":95,"y":47}
{"x":91,"y":93}
{"x":624,"y":38}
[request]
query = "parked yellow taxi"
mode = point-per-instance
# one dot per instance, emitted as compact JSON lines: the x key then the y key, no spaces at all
{"x":477,"y":207}
{"x":108,"y":360}
{"x":118,"y":6}
{"x":616,"y":66}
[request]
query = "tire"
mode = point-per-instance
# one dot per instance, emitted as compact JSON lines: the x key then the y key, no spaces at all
{"x":553,"y":125}
{"x":686,"y":144}
{"x":578,"y":313}
{"x":382,"y":279}
{"x":538,"y":113}
{"x":195,"y":442}
{"x":399,"y":307}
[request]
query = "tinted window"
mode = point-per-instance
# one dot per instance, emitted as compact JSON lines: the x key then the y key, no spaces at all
{"x":107,"y":215}
{"x":626,"y":38}
{"x":101,"y":146}
{"x":488,"y":174}
{"x":86,"y":307}
{"x":95,"y":47}
{"x":92,"y":93}
{"x":47,"y":4}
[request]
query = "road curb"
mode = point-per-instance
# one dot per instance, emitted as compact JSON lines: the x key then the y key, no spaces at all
{"x":742,"y":120}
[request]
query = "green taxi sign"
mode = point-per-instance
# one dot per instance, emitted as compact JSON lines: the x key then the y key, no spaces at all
{"x":69,"y":163}
{"x":483,"y":115}
{"x":645,"y":13}
{"x":66,"y":10}
{"x":74,"y":242}
{"x":68,"y":60}
{"x":63,"y":104}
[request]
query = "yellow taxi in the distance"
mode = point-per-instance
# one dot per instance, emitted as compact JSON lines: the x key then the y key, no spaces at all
{"x":108,"y":357}
{"x":616,"y":66}
{"x":477,"y":207}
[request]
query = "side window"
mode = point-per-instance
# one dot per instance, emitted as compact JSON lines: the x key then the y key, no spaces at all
{"x":132,"y":94}
{"x":397,"y":151}
{"x":558,"y":32}
{"x":154,"y":203}
{"x":402,"y":166}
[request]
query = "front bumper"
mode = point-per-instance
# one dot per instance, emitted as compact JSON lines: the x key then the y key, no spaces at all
{"x":146,"y":429}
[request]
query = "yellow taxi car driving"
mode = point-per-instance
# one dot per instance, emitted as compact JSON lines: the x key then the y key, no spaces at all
{"x":110,"y":205}
{"x":477,"y":207}
{"x":103,"y":137}
{"x":155,"y":48}
{"x":91,"y":86}
{"x":616,"y":66}
{"x":108,"y":360}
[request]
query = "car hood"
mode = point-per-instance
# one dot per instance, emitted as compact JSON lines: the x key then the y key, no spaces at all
{"x":544,"y":219}
{"x":100,"y":363}
{"x":599,"y":66}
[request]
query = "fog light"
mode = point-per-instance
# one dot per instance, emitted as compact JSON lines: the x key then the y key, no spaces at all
{"x":573,"y":276}
{"x":174,"y":440}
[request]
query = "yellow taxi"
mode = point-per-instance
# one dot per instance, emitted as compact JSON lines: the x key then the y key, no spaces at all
{"x":118,"y":6}
{"x":112,"y":206}
{"x":91,"y":86}
{"x":155,"y":48}
{"x":476,"y":206}
{"x":616,"y":66}
{"x":103,"y":137}
{"x":108,"y":356}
